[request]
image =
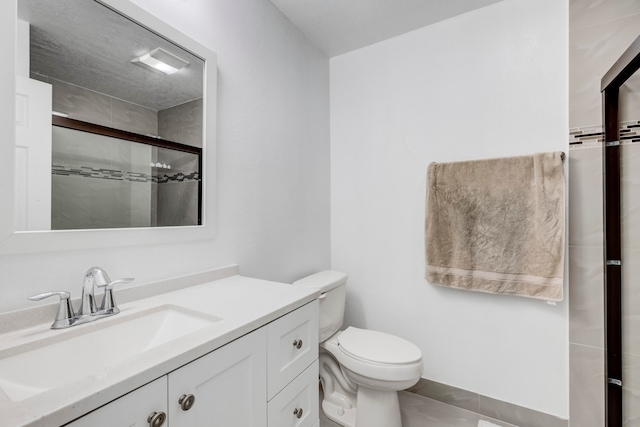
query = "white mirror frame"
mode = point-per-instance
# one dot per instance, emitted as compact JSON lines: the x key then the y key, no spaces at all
{"x":12,"y":241}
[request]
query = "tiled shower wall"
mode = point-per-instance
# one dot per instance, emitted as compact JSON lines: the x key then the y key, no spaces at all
{"x":181,"y":123}
{"x":100,"y":109}
{"x":98,"y":194}
{"x":177,"y":201}
{"x":600,"y":31}
{"x":142,"y":200}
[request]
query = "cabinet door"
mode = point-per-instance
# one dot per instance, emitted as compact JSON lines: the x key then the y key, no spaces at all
{"x":292,"y":344}
{"x":228,"y":386}
{"x":131,"y":410}
{"x":297,"y":405}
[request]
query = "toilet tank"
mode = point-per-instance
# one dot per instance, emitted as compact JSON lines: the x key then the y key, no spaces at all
{"x":333,"y":288}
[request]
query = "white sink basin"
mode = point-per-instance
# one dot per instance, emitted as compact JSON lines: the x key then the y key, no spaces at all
{"x":98,"y":346}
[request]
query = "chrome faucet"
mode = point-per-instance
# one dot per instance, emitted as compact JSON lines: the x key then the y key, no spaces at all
{"x":94,"y":276}
{"x":88,"y":311}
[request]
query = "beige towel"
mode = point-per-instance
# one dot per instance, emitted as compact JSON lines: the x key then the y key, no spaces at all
{"x":497,"y":225}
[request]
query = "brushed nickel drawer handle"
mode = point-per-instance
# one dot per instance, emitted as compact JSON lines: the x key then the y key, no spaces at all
{"x":297,"y":344}
{"x":297,"y":412}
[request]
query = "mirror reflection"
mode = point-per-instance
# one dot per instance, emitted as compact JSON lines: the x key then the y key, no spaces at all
{"x":109,"y":121}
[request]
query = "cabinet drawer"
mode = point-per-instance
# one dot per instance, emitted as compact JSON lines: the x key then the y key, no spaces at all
{"x":292,"y":345}
{"x":130,"y":410}
{"x":301,"y":394}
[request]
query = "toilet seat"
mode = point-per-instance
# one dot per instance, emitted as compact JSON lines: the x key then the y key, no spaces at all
{"x":378,"y":347}
{"x":357,"y":358}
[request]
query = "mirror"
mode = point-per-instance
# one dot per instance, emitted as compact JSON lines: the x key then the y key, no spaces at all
{"x":33,"y":156}
{"x":123,"y":132}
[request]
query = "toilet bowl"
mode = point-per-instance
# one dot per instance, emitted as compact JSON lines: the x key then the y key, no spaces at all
{"x":361,"y":370}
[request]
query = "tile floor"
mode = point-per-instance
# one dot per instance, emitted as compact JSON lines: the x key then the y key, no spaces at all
{"x":419,"y":411}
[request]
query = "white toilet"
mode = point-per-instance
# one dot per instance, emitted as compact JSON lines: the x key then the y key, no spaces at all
{"x":361,"y":371}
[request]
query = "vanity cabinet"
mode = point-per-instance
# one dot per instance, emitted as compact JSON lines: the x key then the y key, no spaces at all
{"x":268,"y":377}
{"x":225,"y":387}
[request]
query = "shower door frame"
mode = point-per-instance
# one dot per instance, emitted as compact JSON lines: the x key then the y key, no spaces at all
{"x":619,"y":73}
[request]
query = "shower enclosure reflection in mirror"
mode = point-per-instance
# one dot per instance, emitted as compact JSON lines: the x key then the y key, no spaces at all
{"x":13,"y":238}
{"x":108,"y":178}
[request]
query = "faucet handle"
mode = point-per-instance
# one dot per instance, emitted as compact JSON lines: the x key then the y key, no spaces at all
{"x":109,"y":286}
{"x":108,"y":303}
{"x":65,"y":314}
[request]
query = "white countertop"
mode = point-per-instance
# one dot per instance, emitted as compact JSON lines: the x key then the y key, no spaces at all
{"x":243,"y":303}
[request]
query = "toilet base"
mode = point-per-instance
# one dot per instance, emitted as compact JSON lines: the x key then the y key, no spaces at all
{"x":378,"y":408}
{"x":375,"y":409}
{"x":339,"y":395}
{"x":338,"y":414}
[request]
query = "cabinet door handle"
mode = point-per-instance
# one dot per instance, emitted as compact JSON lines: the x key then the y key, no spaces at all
{"x":156,"y":419}
{"x":297,"y":412}
{"x":297,"y":344}
{"x":186,"y":401}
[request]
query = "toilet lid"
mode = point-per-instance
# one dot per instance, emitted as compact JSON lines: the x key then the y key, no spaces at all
{"x":378,"y":347}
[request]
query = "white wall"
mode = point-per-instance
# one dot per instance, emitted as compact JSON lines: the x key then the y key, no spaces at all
{"x":272,"y":215}
{"x":489,"y":83}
